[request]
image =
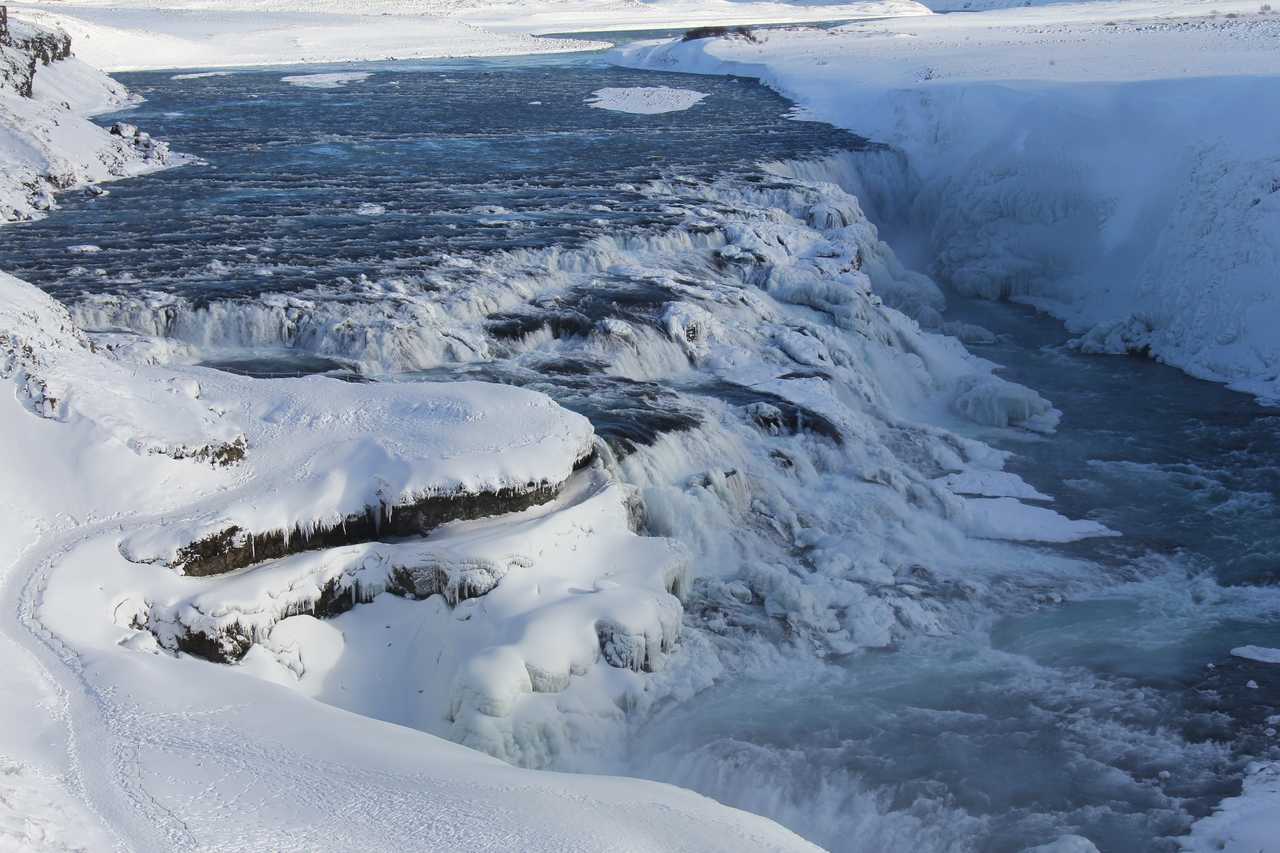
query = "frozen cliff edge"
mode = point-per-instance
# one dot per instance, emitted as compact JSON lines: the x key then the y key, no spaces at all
{"x":1116,"y":167}
{"x":47,"y":143}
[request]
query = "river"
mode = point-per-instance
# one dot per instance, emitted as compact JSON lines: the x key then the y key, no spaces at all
{"x":1084,"y":688}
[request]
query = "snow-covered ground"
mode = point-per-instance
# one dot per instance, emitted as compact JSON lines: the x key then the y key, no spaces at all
{"x":146,"y":34}
{"x":1115,"y":163}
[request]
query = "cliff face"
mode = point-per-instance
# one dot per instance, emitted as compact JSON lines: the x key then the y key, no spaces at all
{"x":24,"y":48}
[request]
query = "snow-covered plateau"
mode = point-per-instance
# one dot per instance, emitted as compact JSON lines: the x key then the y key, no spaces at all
{"x":374,"y":610}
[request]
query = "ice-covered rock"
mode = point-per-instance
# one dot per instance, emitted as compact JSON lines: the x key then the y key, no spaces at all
{"x":992,"y":401}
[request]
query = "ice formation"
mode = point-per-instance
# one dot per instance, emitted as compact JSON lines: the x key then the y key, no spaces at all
{"x":645,"y":100}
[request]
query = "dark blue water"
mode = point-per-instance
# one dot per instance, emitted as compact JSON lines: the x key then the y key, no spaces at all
{"x":302,"y":187}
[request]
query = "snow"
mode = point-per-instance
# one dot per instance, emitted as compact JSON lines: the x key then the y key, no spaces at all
{"x":1072,"y":156}
{"x":118,"y":38}
{"x":1261,"y":654}
{"x":118,"y":35}
{"x":1243,"y":824}
{"x":325,"y":81}
{"x":645,"y":100}
{"x":47,"y":143}
{"x":1111,"y":162}
{"x":833,"y":494}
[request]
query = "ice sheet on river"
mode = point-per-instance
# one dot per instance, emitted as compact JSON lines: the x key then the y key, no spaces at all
{"x":640,"y":100}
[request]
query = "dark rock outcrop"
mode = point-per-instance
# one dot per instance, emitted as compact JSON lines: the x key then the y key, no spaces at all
{"x":234,"y":548}
{"x":24,"y":48}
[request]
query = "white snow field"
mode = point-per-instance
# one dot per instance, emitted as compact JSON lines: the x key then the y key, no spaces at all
{"x":149,"y":34}
{"x":1113,"y":163}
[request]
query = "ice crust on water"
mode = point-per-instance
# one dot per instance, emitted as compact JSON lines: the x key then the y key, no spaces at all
{"x":645,"y":100}
{"x":1261,"y":654}
{"x":336,"y":80}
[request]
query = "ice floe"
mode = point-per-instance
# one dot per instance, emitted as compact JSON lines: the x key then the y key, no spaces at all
{"x":645,"y":100}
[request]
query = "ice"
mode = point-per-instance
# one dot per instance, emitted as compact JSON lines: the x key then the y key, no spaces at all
{"x":1261,"y":654}
{"x":1006,"y":518}
{"x":992,"y":401}
{"x":200,"y":75}
{"x":645,"y":101}
{"x":335,"y":80}
{"x":1065,"y":844}
{"x":992,"y":484}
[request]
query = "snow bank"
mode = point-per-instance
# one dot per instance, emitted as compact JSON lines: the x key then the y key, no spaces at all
{"x":116,"y":37}
{"x":1243,"y":824}
{"x":47,"y":143}
{"x":138,"y":34}
{"x":645,"y":100}
{"x":1113,"y":163}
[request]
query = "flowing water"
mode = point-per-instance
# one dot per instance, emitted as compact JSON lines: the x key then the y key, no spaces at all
{"x":1117,"y":714}
{"x":478,"y":218}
